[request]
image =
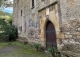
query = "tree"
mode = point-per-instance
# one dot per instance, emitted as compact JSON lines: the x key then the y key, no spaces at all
{"x":2,"y":13}
{"x":7,"y":29}
{"x":1,"y":2}
{"x":6,"y":3}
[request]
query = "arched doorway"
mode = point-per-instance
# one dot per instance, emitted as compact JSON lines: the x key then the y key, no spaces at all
{"x":50,"y":35}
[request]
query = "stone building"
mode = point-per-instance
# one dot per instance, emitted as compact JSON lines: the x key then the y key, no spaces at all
{"x":48,"y":22}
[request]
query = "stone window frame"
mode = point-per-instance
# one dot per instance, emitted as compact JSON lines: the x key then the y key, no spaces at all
{"x":14,"y":4}
{"x":25,"y":26}
{"x":34,"y":4}
{"x":20,"y":29}
{"x":29,"y":22}
{"x":17,"y":1}
{"x":21,"y":12}
{"x":42,"y":0}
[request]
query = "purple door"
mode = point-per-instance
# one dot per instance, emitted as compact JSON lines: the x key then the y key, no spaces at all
{"x":50,"y":35}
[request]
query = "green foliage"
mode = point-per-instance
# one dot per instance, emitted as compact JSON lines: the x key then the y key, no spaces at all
{"x":3,"y":4}
{"x":6,"y":27}
{"x":36,"y":45}
{"x":4,"y":38}
{"x":7,"y":19}
{"x":2,"y":13}
{"x":12,"y":32}
{"x":52,"y":50}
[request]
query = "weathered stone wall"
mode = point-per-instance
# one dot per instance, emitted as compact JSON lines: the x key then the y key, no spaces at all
{"x":31,"y":25}
{"x":70,"y":16}
{"x":70,"y":9}
{"x":70,"y":26}
{"x":14,"y":13}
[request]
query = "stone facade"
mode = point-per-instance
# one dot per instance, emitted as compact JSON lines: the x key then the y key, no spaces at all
{"x":64,"y":14}
{"x":28,"y":19}
{"x":70,"y":19}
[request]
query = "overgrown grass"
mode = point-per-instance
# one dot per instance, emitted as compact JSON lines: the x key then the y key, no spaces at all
{"x":22,"y":50}
{"x":2,"y":45}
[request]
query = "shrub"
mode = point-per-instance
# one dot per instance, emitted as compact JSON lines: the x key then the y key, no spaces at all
{"x":36,"y":45}
{"x":52,"y":50}
{"x":4,"y":38}
{"x":12,"y":32}
{"x":6,"y":28}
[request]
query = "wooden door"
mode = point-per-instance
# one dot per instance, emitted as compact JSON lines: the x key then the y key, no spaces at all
{"x":50,"y":35}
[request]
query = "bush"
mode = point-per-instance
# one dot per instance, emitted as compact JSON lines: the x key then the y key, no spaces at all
{"x":52,"y":50}
{"x":4,"y":38}
{"x":36,"y":45}
{"x":6,"y":28}
{"x":12,"y":32}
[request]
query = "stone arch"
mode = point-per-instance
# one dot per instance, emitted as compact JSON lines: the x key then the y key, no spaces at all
{"x":50,"y":34}
{"x":53,"y":17}
{"x":43,"y":22}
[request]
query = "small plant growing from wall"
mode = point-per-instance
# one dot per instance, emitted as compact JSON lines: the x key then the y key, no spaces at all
{"x":52,"y":51}
{"x":36,"y":46}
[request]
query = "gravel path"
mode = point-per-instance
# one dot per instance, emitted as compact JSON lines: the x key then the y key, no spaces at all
{"x":8,"y":49}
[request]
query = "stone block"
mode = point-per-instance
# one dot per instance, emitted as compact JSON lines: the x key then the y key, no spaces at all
{"x":78,"y":29}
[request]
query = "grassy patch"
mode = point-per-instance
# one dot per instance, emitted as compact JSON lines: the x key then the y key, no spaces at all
{"x":21,"y":50}
{"x":2,"y":45}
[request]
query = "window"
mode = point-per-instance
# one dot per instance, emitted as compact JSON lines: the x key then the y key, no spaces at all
{"x":15,"y":4}
{"x":20,"y":29}
{"x":29,"y":22}
{"x":33,"y":3}
{"x":21,"y":12}
{"x":42,"y":0}
{"x":17,"y":1}
{"x":25,"y":26}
